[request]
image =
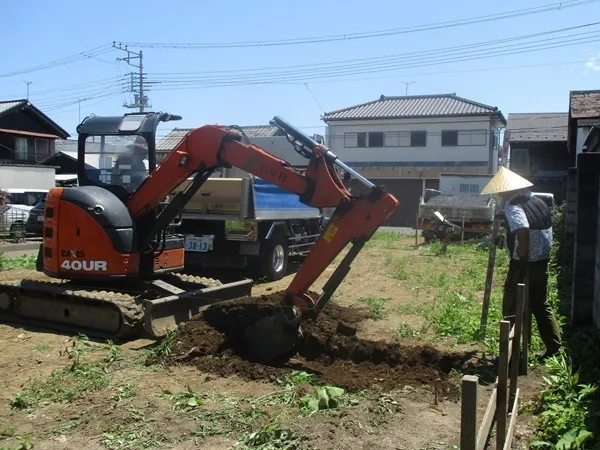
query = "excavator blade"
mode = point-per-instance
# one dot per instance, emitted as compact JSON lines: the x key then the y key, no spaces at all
{"x":166,"y":313}
{"x":273,"y":337}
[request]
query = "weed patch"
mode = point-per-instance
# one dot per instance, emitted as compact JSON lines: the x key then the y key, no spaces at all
{"x":562,"y":407}
{"x":20,"y":262}
{"x":272,"y":436}
{"x":376,"y":305}
{"x":62,"y":386}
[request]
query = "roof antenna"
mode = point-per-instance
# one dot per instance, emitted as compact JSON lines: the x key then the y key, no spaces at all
{"x":406,"y":83}
{"x":27,"y":83}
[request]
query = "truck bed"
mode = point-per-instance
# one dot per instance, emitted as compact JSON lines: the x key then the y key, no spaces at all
{"x":470,"y":207}
{"x":245,"y":198}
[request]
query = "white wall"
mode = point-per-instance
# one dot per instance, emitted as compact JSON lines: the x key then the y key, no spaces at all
{"x":433,"y":152}
{"x":26,"y":177}
{"x":451,"y":184}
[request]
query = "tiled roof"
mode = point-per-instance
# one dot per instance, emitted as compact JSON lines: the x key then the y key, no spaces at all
{"x":538,"y":126}
{"x":585,"y":104}
{"x":65,"y":145}
{"x":170,"y":141}
{"x":441,"y":105}
{"x":8,"y":105}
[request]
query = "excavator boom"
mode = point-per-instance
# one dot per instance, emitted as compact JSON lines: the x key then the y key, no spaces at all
{"x":355,"y":218}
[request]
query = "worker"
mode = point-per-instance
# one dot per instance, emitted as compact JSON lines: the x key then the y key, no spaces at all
{"x":528,"y":222}
{"x":131,"y":163}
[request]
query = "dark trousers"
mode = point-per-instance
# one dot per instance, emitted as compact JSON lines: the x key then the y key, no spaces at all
{"x":538,"y":301}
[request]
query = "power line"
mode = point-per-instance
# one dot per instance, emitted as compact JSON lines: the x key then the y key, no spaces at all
{"x":303,"y":76}
{"x":468,"y":52}
{"x":371,"y":34}
{"x":393,"y":56}
{"x":96,"y":51}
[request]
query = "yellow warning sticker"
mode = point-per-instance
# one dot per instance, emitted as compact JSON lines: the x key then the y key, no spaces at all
{"x":330,"y":232}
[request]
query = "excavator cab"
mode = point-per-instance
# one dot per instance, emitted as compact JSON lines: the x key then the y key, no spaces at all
{"x":118,"y":152}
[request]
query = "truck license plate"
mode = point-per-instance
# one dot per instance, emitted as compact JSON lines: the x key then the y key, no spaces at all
{"x":198,"y":243}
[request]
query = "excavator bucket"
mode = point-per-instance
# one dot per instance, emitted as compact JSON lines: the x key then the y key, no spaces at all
{"x":273,"y":337}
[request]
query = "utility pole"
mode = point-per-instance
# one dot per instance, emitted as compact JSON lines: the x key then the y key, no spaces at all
{"x":27,"y":83}
{"x":406,"y":83}
{"x":137,"y":86}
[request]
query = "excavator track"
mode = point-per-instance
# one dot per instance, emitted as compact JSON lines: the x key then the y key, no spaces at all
{"x":117,"y":312}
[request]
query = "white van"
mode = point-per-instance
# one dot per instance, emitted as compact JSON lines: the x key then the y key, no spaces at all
{"x":16,"y":212}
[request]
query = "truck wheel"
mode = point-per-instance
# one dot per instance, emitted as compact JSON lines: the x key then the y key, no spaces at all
{"x":274,"y":257}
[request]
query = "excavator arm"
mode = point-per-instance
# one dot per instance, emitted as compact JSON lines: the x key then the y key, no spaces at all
{"x":354,"y":221}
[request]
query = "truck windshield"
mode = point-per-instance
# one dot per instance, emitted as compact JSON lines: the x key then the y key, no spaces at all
{"x":117,"y":160}
{"x":26,"y":198}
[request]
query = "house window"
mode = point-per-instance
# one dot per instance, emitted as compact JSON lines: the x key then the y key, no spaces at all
{"x":392,"y":139}
{"x":418,"y":138}
{"x":20,"y":148}
{"x":362,"y":140}
{"x":469,"y":188}
{"x":42,"y":149}
{"x":449,"y":138}
{"x":376,"y":139}
{"x":464,"y":138}
{"x":350,"y":140}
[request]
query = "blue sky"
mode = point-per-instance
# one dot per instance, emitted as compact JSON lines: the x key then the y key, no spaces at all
{"x":43,"y":32}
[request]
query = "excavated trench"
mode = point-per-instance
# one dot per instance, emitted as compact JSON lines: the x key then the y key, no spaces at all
{"x":214,"y":342}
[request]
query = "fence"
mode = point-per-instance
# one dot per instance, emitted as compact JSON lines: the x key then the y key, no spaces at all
{"x":503,"y":403}
{"x":12,"y":226}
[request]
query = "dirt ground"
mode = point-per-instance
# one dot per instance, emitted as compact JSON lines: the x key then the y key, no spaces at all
{"x":61,"y":392}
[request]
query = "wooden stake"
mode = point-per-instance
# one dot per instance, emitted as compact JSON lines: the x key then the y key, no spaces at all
{"x":526,"y":328}
{"x":502,"y":400}
{"x":462,"y":234}
{"x":468,"y":413}
{"x":516,"y":363}
{"x":489,"y":277}
{"x":417,"y":231}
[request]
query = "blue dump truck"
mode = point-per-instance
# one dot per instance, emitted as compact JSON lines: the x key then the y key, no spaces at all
{"x":246,"y":223}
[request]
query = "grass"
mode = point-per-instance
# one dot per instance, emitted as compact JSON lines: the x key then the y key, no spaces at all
{"x":62,"y":386}
{"x":41,"y":347}
{"x":24,"y":443}
{"x":73,"y":382}
{"x":19,"y":262}
{"x":457,"y":279}
{"x":376,"y":305}
{"x":271,"y":436}
{"x":162,"y":348}
{"x":140,"y":435}
{"x":383,"y":239}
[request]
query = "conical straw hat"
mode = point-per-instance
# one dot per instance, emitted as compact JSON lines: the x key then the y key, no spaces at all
{"x":505,"y":181}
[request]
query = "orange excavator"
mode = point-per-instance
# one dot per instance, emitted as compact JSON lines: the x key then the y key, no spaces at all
{"x":113,"y":258}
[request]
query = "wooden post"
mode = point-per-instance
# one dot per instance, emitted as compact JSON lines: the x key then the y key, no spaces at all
{"x":502,"y":400}
{"x":515,"y":360}
{"x":462,"y":231}
{"x":417,"y":231}
{"x":488,"y":279}
{"x":526,"y":329}
{"x":468,"y":413}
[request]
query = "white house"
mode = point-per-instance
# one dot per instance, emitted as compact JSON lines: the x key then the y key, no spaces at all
{"x":407,"y":142}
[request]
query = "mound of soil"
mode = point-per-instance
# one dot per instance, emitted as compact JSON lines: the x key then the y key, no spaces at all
{"x":214,"y":341}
